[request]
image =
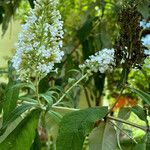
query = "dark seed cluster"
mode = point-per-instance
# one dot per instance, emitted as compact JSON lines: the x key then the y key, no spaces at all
{"x":129,"y":49}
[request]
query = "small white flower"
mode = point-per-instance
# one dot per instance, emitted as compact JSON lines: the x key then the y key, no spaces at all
{"x":144,"y":24}
{"x":146,"y":40}
{"x":102,"y":61}
{"x":40,"y":40}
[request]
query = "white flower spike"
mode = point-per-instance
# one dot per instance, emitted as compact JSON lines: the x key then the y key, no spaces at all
{"x":40,"y":41}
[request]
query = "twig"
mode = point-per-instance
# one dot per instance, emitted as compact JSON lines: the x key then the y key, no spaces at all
{"x":111,"y":109}
{"x":124,"y":132}
{"x":129,"y":123}
{"x":61,"y":98}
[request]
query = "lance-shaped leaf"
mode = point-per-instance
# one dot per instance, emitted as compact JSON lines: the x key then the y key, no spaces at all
{"x":143,"y":95}
{"x":103,"y":137}
{"x":140,"y":112}
{"x":75,"y":126}
{"x":23,"y":136}
{"x":17,"y":112}
{"x":25,"y":85}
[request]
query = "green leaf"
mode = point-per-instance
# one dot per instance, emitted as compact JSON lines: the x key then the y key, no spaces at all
{"x":148,"y":141}
{"x":103,"y":137}
{"x":28,"y":99}
{"x":143,"y":95}
{"x":36,"y":144}
{"x":10,"y":128}
{"x":48,"y":97}
{"x":10,"y":94}
{"x":75,"y":126}
{"x":143,"y":8}
{"x":85,"y":30}
{"x":140,"y":112}
{"x":23,"y":85}
{"x":10,"y":100}
{"x":23,"y":136}
{"x":55,"y":115}
{"x":14,"y":115}
{"x":124,"y":113}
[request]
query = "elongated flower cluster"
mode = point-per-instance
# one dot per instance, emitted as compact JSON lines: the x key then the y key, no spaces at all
{"x":40,"y":40}
{"x":101,"y":62}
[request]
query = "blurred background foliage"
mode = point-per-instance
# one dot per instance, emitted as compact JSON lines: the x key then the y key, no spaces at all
{"x":89,"y":25}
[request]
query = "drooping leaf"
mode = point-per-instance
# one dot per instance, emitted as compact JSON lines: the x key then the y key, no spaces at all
{"x":14,"y":115}
{"x":140,"y":112}
{"x":23,"y":85}
{"x":143,"y":95}
{"x":23,"y":136}
{"x":75,"y":126}
{"x":103,"y":137}
{"x":48,"y":97}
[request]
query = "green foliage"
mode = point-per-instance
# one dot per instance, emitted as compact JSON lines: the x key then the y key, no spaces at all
{"x":75,"y":126}
{"x":148,"y":141}
{"x":140,"y":112}
{"x":144,"y":8}
{"x":8,"y":10}
{"x":89,"y":26}
{"x":15,"y":114}
{"x":143,"y":95}
{"x":55,"y":115}
{"x":23,"y":136}
{"x":103,"y":137}
{"x":124,"y":113}
{"x":11,"y":94}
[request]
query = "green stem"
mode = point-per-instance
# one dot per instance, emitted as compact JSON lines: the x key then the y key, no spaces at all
{"x":65,"y":108}
{"x":62,"y":97}
{"x":37,"y":89}
{"x":123,"y":132}
{"x":129,"y":123}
